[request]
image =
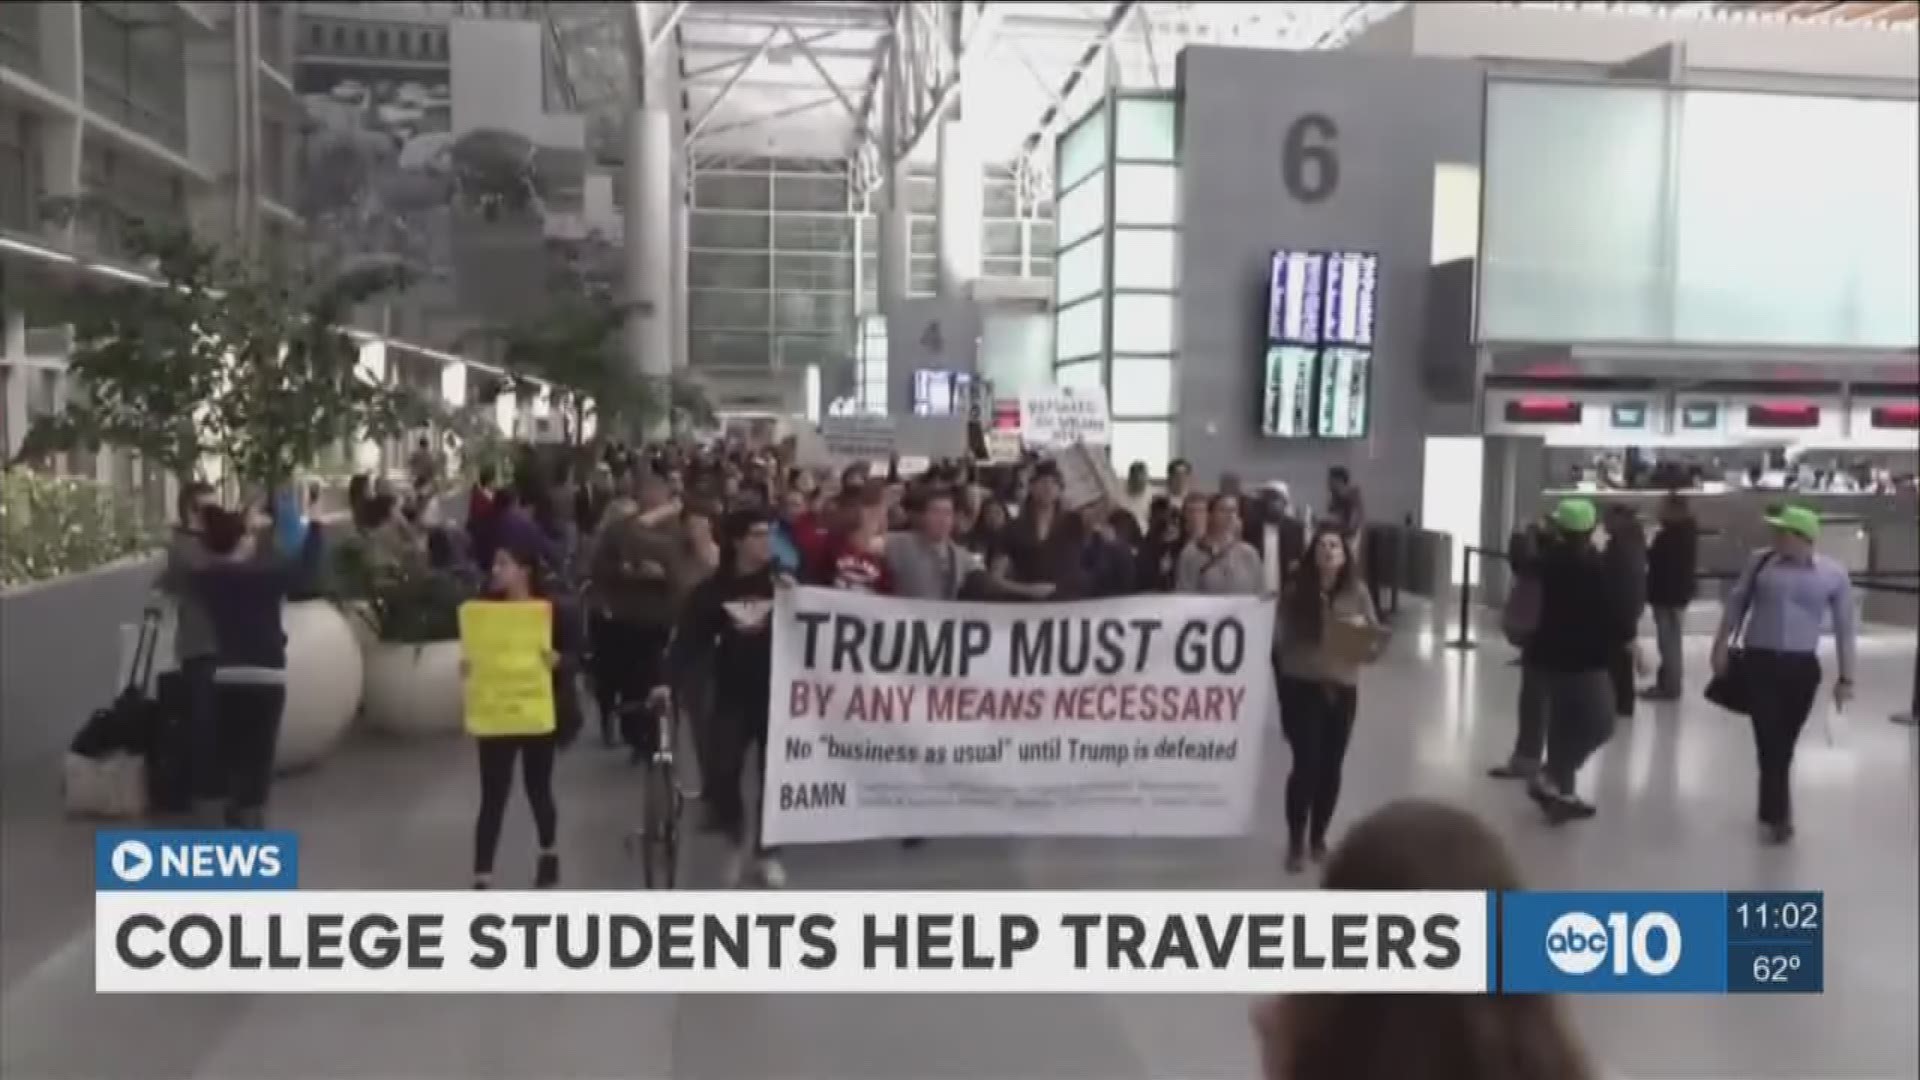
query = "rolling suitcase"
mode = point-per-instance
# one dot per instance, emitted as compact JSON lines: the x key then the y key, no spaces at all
{"x":105,"y":773}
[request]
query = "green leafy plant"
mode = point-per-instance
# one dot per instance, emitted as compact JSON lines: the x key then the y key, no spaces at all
{"x":403,"y":602}
{"x":217,"y":356}
{"x":577,"y":348}
{"x":52,"y":526}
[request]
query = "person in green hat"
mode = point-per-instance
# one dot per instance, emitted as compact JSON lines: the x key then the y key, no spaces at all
{"x":1775,"y":615}
{"x":1579,"y":630}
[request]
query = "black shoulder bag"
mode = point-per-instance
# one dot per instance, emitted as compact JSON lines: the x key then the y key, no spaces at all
{"x":1733,"y":689}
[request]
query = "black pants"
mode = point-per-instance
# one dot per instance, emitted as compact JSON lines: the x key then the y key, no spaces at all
{"x":205,"y":776}
{"x":738,"y":729}
{"x":1580,"y":717}
{"x":1530,"y":737}
{"x":1317,"y":718}
{"x":1620,"y":674}
{"x":628,"y":658}
{"x":497,"y":755}
{"x":1783,"y":691}
{"x":247,"y":725}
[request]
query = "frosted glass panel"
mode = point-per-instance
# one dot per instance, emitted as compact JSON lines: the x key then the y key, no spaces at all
{"x":1079,"y":330}
{"x":1143,"y":322}
{"x":1082,"y":150}
{"x":1082,"y":211}
{"x":1142,"y":386}
{"x":1144,"y":259}
{"x":1150,"y":441}
{"x":1146,"y":194}
{"x":1146,"y":131}
{"x":1797,"y":221}
{"x":1576,"y":212}
{"x":1083,"y":375}
{"x":1077,"y":272}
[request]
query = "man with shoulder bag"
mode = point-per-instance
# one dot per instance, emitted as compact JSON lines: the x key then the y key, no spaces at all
{"x":1766,"y":653}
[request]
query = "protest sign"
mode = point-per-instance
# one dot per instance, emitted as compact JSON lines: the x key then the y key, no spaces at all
{"x":1086,"y":477}
{"x":860,"y":438}
{"x":1133,"y":717}
{"x":509,"y":687}
{"x":1056,"y":417}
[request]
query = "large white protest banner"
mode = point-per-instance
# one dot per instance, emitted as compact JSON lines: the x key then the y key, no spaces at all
{"x":1131,"y":717}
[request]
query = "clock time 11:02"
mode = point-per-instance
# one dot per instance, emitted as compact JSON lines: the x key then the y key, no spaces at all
{"x":1787,"y":915}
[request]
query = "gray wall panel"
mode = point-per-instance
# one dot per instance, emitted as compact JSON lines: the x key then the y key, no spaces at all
{"x":59,"y":657}
{"x":1397,"y":117}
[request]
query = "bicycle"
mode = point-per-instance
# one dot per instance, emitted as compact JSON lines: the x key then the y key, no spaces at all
{"x":656,"y":840}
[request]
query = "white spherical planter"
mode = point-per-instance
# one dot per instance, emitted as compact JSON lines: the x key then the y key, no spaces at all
{"x":413,"y":691}
{"x":324,"y":679}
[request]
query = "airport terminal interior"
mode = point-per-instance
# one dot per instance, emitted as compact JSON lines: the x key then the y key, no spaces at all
{"x":1581,"y":251}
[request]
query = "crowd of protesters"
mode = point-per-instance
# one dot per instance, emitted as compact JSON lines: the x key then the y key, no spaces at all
{"x":667,"y":557}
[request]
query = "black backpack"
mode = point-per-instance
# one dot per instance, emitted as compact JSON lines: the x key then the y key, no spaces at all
{"x":130,"y":723}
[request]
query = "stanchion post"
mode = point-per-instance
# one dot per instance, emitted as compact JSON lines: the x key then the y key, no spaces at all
{"x":1464,"y":640}
{"x":1911,"y":718}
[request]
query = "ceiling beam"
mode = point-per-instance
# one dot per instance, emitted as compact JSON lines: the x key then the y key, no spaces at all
{"x":1116,"y":19}
{"x":730,"y":62}
{"x":876,"y":74}
{"x":853,"y":111}
{"x":747,"y":64}
{"x":767,"y":118}
{"x":986,"y":25}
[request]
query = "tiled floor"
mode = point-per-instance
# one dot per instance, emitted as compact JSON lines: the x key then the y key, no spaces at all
{"x":1674,"y":787}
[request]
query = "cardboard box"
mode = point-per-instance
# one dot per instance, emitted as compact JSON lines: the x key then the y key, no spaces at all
{"x":1356,"y":643}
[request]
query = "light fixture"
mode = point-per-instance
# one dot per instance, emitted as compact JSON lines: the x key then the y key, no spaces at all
{"x":8,"y":243}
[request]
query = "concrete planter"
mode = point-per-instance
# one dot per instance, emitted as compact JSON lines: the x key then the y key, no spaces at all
{"x":413,"y":691}
{"x":325,"y":677}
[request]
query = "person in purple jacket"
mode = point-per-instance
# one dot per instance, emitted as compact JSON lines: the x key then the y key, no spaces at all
{"x":242,"y":588}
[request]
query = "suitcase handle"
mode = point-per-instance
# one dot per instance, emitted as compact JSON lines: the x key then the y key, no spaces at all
{"x":140,"y":672}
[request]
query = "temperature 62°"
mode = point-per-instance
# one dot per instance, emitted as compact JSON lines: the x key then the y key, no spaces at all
{"x":1775,"y":968}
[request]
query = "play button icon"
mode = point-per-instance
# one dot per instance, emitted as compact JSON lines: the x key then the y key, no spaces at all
{"x":132,"y":861}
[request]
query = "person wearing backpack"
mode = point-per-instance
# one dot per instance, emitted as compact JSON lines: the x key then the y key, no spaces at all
{"x":1519,"y":617}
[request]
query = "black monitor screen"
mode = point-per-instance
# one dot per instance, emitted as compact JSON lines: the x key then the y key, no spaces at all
{"x":1286,"y":409}
{"x":1295,"y":298}
{"x":1350,"y":285}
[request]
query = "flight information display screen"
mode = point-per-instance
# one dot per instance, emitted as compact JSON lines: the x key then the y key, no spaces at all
{"x":1343,"y":405}
{"x":1351,"y":279}
{"x":1286,"y":409}
{"x":1296,"y":299}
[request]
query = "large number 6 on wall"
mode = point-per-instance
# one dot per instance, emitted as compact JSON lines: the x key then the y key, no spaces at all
{"x":1308,"y":164}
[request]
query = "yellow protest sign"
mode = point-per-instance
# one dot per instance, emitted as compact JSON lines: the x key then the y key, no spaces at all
{"x":509,"y":687}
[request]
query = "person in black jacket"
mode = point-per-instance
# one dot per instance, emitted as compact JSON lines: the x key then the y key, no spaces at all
{"x":1524,"y":550}
{"x":242,"y":589}
{"x":1580,"y":631}
{"x":1626,"y":560}
{"x":729,"y":618}
{"x":1672,"y":566}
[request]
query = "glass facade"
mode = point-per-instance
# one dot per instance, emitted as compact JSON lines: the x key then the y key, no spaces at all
{"x":135,"y":64}
{"x":1706,"y":217}
{"x":1117,"y":174}
{"x":772,"y":269}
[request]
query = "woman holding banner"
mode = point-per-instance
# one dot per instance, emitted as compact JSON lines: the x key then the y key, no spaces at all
{"x":1326,"y":632}
{"x":516,"y":619}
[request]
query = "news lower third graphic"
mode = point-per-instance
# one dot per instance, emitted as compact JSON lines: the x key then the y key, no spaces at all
{"x":1662,"y":943}
{"x":170,"y":861}
{"x":167,"y":921}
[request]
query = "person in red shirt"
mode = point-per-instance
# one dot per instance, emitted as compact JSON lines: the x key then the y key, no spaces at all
{"x":859,"y":561}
